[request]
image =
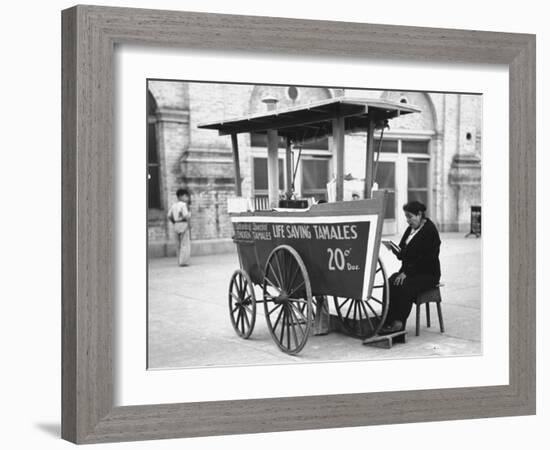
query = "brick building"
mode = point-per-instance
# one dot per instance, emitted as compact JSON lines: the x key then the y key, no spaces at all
{"x":433,"y":156}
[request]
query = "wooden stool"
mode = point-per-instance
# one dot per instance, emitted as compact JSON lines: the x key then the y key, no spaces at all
{"x":430,"y":296}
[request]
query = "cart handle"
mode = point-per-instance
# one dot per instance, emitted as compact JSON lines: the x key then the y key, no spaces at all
{"x":296,"y":166}
{"x":386,"y":125}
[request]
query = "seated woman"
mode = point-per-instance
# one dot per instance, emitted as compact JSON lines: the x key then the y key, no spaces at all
{"x":420,"y":268}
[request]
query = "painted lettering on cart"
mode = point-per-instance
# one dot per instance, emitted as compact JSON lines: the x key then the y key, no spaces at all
{"x":252,"y":231}
{"x":265,"y":232}
{"x":337,"y":260}
{"x":336,"y":253}
{"x":338,"y":232}
{"x":325,"y":232}
{"x":291,"y":231}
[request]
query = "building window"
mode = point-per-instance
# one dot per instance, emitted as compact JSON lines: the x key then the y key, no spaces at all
{"x":153,"y":165}
{"x":385,"y":178}
{"x":403,"y":171}
{"x":415,"y":146}
{"x":388,"y":146}
{"x":315,"y":176}
{"x":417,"y":180}
{"x":261,"y":191}
{"x":260,"y":175}
{"x":292,"y":93}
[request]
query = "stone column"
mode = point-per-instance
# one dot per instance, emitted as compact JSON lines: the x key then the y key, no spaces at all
{"x":172,"y":130}
{"x":465,"y":174}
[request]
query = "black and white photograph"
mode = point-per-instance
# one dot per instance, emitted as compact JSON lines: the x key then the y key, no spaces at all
{"x":293,"y":224}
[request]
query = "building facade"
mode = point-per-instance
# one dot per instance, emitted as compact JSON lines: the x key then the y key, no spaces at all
{"x":433,"y":156}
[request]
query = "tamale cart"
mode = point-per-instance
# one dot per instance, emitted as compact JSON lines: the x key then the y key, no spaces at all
{"x":301,"y":256}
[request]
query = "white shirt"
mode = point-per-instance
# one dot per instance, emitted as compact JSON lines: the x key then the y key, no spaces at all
{"x":413,"y":233}
{"x":178,"y":212}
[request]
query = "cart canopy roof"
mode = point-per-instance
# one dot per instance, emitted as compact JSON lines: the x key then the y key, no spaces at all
{"x":313,"y":121}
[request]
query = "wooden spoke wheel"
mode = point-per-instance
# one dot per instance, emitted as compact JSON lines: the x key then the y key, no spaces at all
{"x":242,"y":304}
{"x":364,"y":318}
{"x":288,"y":302}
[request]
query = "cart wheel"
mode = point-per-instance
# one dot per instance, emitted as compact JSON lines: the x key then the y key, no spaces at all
{"x":242,"y":303}
{"x":364,"y":318}
{"x":288,"y":302}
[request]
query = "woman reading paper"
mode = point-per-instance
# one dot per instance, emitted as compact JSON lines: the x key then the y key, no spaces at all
{"x":420,"y":270}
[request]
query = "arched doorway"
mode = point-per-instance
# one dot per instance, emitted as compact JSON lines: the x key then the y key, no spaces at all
{"x":406,"y":166}
{"x":153,"y":165}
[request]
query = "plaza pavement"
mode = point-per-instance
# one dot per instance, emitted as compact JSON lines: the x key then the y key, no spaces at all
{"x":189,"y":323}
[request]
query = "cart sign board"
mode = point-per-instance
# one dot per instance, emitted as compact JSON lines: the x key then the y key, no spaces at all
{"x":337,"y":250}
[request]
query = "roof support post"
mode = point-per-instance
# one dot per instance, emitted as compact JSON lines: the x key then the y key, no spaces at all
{"x":273,"y":167}
{"x":369,"y":162}
{"x":235,"y":145}
{"x":338,"y":134}
{"x":272,"y":158}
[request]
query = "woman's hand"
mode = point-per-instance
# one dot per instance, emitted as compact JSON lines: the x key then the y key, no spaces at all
{"x":399,"y":279}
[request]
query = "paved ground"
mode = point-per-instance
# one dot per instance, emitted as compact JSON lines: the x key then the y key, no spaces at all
{"x":189,"y":324}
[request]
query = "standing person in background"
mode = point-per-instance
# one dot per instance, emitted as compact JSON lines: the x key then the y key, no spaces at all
{"x":420,"y":269}
{"x":179,"y":215}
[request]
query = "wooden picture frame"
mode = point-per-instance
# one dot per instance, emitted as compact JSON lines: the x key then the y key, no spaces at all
{"x":89,"y":37}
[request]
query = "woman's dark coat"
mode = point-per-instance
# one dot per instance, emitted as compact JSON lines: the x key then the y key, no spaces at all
{"x":421,"y":255}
